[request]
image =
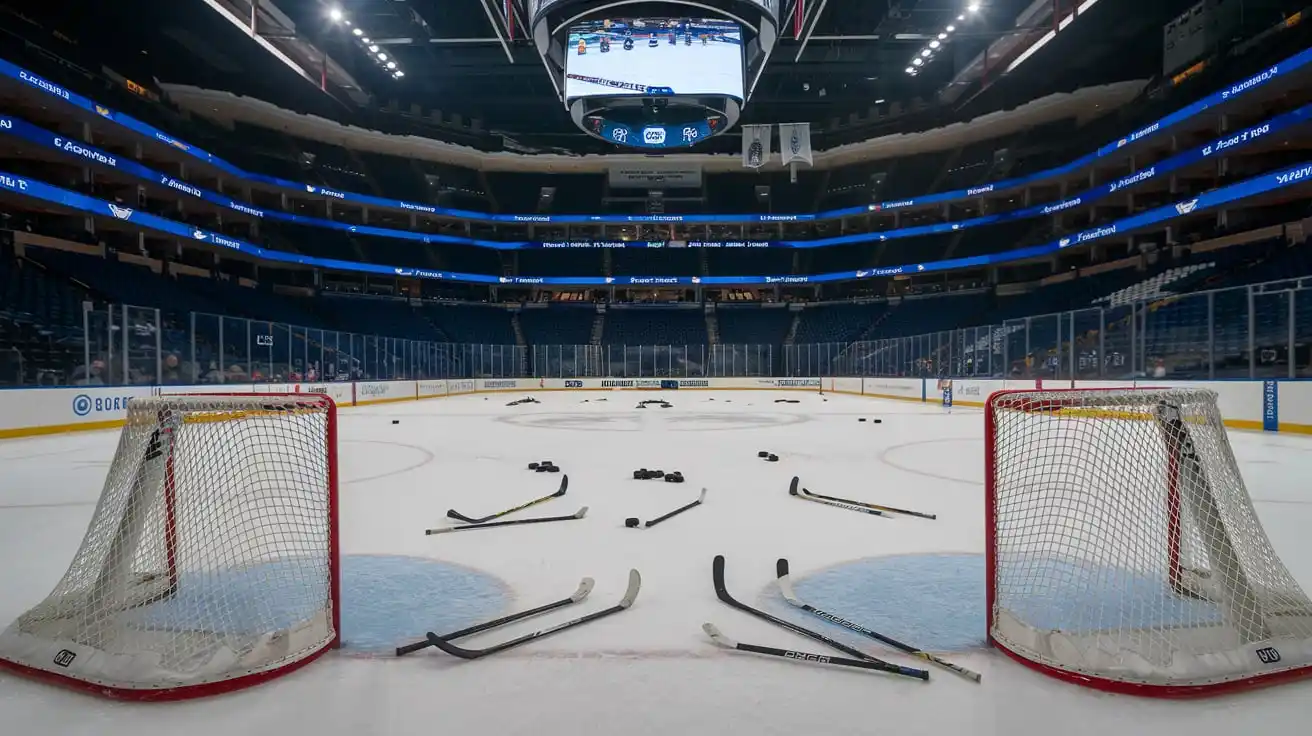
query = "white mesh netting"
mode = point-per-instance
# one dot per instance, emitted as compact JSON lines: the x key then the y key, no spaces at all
{"x":1125,"y":547}
{"x":210,"y":555}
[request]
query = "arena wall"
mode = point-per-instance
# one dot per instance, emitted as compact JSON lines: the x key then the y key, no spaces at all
{"x":1273,"y":406}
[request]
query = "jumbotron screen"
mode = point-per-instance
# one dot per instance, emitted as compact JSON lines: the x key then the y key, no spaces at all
{"x":654,"y":57}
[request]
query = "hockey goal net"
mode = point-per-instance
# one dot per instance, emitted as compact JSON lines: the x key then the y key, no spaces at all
{"x":210,"y":563}
{"x":1123,"y":551}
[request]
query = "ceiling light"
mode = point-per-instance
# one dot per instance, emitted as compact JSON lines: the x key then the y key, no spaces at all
{"x":961,"y":17}
{"x":391,"y":65}
{"x":358,"y":32}
{"x":951,"y":29}
{"x":382,"y":57}
{"x":934,"y":44}
{"x":335,"y":14}
{"x":399,"y":74}
{"x":973,"y":7}
{"x":880,"y":101}
{"x":942,"y":36}
{"x":373,"y":49}
{"x":364,"y":39}
{"x":911,"y":70}
{"x":917,"y":62}
{"x":926,"y":53}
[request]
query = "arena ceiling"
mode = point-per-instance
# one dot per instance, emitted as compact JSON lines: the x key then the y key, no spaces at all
{"x":460,"y":58}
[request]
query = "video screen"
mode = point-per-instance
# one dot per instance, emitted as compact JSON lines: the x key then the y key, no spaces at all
{"x":654,"y":57}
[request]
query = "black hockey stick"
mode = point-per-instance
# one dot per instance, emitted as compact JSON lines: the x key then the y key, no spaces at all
{"x":635,"y":583}
{"x":564,"y":485}
{"x":867,"y":504}
{"x":717,"y":576}
{"x":796,"y":656}
{"x":786,"y":587}
{"x":585,"y":587}
{"x":794,"y":491}
{"x":539,"y":520}
{"x":677,"y":511}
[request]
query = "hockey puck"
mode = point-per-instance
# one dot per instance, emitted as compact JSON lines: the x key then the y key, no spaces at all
{"x":553,"y":468}
{"x":862,"y":419}
{"x":548,"y":463}
{"x":763,"y":453}
{"x":396,"y":421}
{"x":631,"y":522}
{"x":543,"y":468}
{"x":533,"y":466}
{"x":640,"y":474}
{"x":772,"y":459}
{"x":879,"y":421}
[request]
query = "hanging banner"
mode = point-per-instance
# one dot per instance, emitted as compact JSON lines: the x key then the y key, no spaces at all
{"x":795,"y":142}
{"x":756,"y":146}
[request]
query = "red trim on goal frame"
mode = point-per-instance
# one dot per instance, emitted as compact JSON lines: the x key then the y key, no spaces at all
{"x":188,"y":692}
{"x":1115,"y":686}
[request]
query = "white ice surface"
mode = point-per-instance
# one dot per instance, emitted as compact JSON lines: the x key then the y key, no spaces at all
{"x":713,"y":69}
{"x":650,"y":670}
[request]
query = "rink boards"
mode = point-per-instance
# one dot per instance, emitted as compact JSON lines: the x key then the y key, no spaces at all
{"x":1283,"y":406}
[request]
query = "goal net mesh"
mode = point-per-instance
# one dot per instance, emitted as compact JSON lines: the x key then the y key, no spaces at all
{"x":209,"y":556}
{"x":1124,"y":547}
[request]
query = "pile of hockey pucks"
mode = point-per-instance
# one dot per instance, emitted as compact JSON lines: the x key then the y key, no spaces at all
{"x":768,"y":456}
{"x":787,"y":401}
{"x":645,"y":474}
{"x":662,"y":403}
{"x":546,"y":466}
{"x":875,"y":421}
{"x":525,"y":400}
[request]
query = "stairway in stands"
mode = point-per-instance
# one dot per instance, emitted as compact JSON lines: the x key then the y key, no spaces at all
{"x":598,"y":323}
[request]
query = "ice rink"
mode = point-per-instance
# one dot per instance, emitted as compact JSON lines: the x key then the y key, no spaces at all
{"x":713,"y":69}
{"x":649,"y":670}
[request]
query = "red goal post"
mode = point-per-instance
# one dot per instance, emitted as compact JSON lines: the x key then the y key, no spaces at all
{"x":1123,"y":551}
{"x":211,"y":562}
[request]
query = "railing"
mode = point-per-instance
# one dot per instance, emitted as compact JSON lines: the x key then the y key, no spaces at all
{"x":1262,"y":331}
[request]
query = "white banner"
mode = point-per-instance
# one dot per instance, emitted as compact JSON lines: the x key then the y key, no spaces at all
{"x":795,"y":142}
{"x":756,"y":146}
{"x":655,"y":176}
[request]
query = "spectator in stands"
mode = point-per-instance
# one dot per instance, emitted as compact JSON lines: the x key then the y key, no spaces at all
{"x":213,"y":375}
{"x":172,"y":370}
{"x":90,"y":375}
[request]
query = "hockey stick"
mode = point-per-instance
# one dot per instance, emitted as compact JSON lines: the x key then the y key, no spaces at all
{"x":585,"y":587}
{"x":539,"y":520}
{"x":635,"y":583}
{"x":865,"y":504}
{"x":717,"y":576}
{"x":564,"y":484}
{"x":728,"y":643}
{"x":786,"y":587}
{"x":676,"y":512}
{"x":793,"y":491}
